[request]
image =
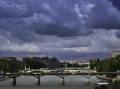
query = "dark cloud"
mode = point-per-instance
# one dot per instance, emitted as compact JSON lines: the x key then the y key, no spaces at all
{"x":103,"y":15}
{"x":47,"y":27}
{"x":117,"y":34}
{"x":97,"y":14}
{"x":61,"y":31}
{"x":105,"y":22}
{"x":25,"y":36}
{"x":116,"y":3}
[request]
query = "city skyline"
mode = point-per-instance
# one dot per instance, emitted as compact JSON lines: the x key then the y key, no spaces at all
{"x":67,"y":29}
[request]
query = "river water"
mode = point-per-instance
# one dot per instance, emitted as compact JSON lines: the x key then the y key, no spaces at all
{"x":53,"y":82}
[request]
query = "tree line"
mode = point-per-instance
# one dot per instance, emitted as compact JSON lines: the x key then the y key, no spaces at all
{"x":10,"y":65}
{"x":111,"y":64}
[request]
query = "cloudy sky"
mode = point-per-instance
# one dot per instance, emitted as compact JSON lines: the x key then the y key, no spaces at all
{"x":67,"y":29}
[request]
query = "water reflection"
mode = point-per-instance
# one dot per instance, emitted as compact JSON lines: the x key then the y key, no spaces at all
{"x":29,"y":80}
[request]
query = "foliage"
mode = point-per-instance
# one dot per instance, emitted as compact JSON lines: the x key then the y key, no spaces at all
{"x":77,"y":65}
{"x":106,"y":65}
{"x":10,"y":65}
{"x":93,"y":63}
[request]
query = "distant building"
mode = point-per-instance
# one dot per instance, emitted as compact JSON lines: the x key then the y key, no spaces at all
{"x":115,"y":53}
{"x":54,"y":63}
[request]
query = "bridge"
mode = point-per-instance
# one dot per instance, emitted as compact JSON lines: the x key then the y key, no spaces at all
{"x":62,"y":75}
{"x":66,"y":70}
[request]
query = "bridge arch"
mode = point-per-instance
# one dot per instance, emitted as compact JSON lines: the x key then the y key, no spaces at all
{"x":62,"y":77}
{"x":87,"y":76}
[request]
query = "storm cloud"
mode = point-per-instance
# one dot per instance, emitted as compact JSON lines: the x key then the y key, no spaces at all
{"x":116,"y":4}
{"x":65,"y":28}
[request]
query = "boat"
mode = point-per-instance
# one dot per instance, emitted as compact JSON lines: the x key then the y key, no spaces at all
{"x":102,"y":82}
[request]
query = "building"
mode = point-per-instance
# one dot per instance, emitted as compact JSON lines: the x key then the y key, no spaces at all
{"x":115,"y":53}
{"x":54,"y":63}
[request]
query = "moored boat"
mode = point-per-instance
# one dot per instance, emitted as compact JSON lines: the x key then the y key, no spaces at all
{"x":102,"y":82}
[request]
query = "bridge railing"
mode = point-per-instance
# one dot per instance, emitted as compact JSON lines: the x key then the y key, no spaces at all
{"x":62,"y":73}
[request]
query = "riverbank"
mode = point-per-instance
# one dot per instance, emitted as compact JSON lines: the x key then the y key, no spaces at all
{"x":113,"y":80}
{"x":103,"y":77}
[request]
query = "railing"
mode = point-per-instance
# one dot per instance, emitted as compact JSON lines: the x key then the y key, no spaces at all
{"x":62,"y":73}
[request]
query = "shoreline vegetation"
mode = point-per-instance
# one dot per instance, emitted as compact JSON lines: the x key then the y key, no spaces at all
{"x":111,"y":64}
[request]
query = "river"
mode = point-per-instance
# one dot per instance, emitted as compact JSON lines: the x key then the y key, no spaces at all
{"x":53,"y":82}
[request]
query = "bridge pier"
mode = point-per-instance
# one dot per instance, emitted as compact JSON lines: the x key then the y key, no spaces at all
{"x":88,"y":81}
{"x":38,"y":80}
{"x":63,"y":80}
{"x":14,"y":80}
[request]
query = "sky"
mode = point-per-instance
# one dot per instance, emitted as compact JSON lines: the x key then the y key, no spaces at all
{"x":67,"y":29}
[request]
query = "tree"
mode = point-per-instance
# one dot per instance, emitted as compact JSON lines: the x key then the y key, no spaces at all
{"x":93,"y":63}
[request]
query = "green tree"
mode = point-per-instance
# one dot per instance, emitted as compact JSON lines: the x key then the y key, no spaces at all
{"x":93,"y":63}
